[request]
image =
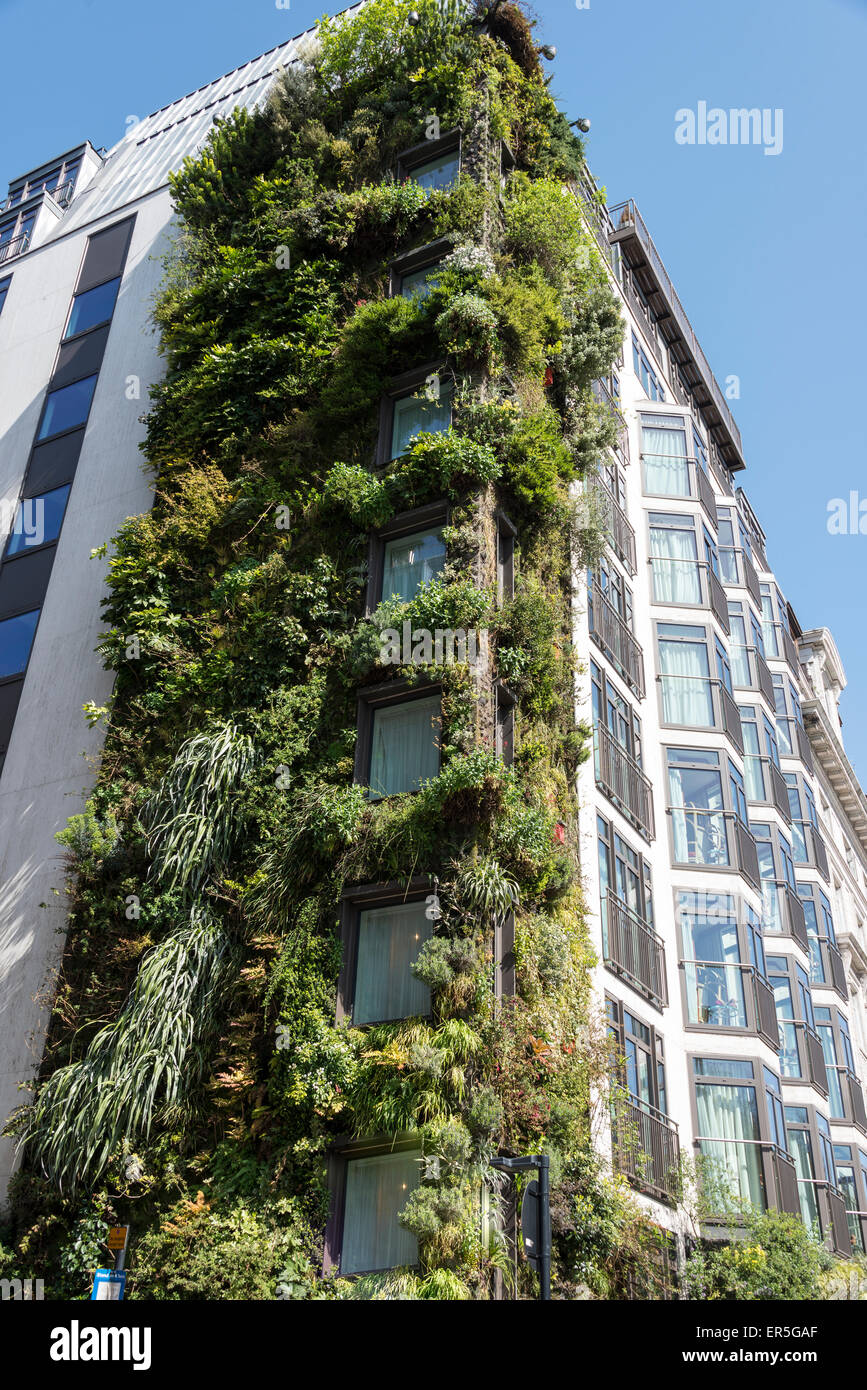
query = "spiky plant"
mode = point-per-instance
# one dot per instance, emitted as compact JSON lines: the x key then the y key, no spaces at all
{"x":141,"y":1067}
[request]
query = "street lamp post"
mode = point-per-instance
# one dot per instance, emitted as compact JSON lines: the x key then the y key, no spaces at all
{"x":535,"y":1215}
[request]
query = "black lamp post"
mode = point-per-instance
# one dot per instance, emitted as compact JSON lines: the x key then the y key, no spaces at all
{"x":535,"y":1215}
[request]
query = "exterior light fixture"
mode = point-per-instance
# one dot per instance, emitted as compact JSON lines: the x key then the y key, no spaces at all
{"x":548,"y":51}
{"x":583,"y":123}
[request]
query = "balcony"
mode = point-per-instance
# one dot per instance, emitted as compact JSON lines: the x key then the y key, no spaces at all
{"x":646,"y":262}
{"x":766,"y":785}
{"x":646,"y":1147}
{"x":833,"y":1218}
{"x":809,"y":848}
{"x":750,"y":671}
{"x":15,"y":247}
{"x":801,"y":1055}
{"x":712,"y":839}
{"x":615,"y":638}
{"x":730,"y":995}
{"x":685,"y":698}
{"x":738,"y":572}
{"x":689,"y":584}
{"x":681,"y":478}
{"x":616,"y":524}
{"x":632,"y":950}
{"x":846,"y":1098}
{"x":623,"y":782}
{"x":748,"y":1172}
{"x":783,"y":912}
{"x":612,"y":407}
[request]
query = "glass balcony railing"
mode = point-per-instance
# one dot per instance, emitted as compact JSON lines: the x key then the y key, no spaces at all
{"x":700,"y":702}
{"x":689,"y":584}
{"x":729,"y":994}
{"x":632,"y":949}
{"x":664,"y":476}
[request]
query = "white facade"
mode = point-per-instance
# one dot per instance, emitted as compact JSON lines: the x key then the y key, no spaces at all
{"x":52,"y":754}
{"x":691,"y":648}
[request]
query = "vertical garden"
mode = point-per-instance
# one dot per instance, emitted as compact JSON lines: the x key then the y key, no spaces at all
{"x":199,"y":1070}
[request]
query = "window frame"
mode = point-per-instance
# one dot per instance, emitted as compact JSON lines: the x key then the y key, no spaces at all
{"x":382,"y":696}
{"x":340,"y":1155}
{"x":428,"y":518}
{"x":427,"y":151}
{"x":420,"y":258}
{"x":400,"y":388}
{"x":354,"y":901}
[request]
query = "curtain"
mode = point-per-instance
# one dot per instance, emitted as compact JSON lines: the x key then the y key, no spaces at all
{"x":417,"y":415}
{"x":728,"y":1122}
{"x":666,"y":471}
{"x":802,"y":1153}
{"x":389,"y":941}
{"x":377,"y":1190}
{"x":715,"y":989}
{"x":674,"y":561}
{"x":686,"y":691}
{"x":697,"y":819}
{"x":411,"y":562}
{"x":405,"y":747}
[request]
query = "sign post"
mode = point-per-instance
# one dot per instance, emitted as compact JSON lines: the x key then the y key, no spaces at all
{"x":109,"y":1284}
{"x":535,"y":1215}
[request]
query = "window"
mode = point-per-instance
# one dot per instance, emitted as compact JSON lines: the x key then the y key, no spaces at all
{"x":630,"y":946}
{"x":4,"y":290}
{"x":416,"y":273}
{"x":411,"y":561}
{"x":687,"y":691}
{"x":506,"y":534}
{"x":729,"y":1131}
{"x":67,"y":408}
{"x":424,"y":409}
{"x":434,"y":164}
{"x":388,"y":942}
{"x":697,"y":806}
{"x":505,"y":712}
{"x":794,"y":1006}
{"x":400,"y":743}
{"x":845,"y":1099}
{"x":650,"y":383}
{"x":820,"y":932}
{"x":16,"y":639}
{"x":807,"y":843}
{"x":618,"y":755}
{"x":664,"y":456}
{"x":618,"y":593}
{"x":377,"y":1188}
{"x":801,"y":1145}
{"x":674,"y":559}
{"x":417,"y":284}
{"x":847,"y":1181}
{"x":641,"y":1049}
{"x":789,"y":715}
{"x":37,"y":521}
{"x":92,"y":308}
{"x":624,"y":871}
{"x":711,"y":958}
{"x":760,"y":749}
{"x":777,"y":873}
{"x":611,"y":710}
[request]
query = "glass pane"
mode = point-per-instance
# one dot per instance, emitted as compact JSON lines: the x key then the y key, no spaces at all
{"x":377,"y":1190}
{"x":666,"y":471}
{"x":405,"y":746}
{"x":437,"y":173}
{"x":418,"y":415}
{"x":417,"y":284}
{"x":729,"y":1125}
{"x":38,"y":520}
{"x":411,"y":562}
{"x":676,"y":577}
{"x":68,"y":407}
{"x":686,"y":690}
{"x":92,"y":307}
{"x":16,"y":639}
{"x":389,"y":942}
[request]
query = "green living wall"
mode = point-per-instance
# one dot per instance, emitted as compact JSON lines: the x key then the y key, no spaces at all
{"x":195,"y":1079}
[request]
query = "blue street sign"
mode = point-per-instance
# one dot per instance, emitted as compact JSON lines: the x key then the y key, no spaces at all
{"x":108,"y":1284}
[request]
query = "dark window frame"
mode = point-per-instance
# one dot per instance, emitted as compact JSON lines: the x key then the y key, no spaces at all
{"x":420,"y":258}
{"x":406,"y":384}
{"x":427,"y":151}
{"x":353,"y":902}
{"x":381,"y":696}
{"x":428,"y":518}
{"x":507,"y":534}
{"x":340,"y":1155}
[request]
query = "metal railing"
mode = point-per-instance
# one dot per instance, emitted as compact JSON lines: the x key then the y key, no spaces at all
{"x":698,"y":485}
{"x":618,"y":527}
{"x":622,"y":780}
{"x":730,"y":994}
{"x":15,"y":247}
{"x":750,"y":671}
{"x":633,"y":950}
{"x":612,"y":406}
{"x":738,"y":571}
{"x":628,"y":222}
{"x":679,"y":691}
{"x":646,"y":1147}
{"x":616,"y":639}
{"x":690,"y":584}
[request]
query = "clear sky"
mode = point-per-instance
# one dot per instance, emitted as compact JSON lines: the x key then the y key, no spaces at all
{"x":766,"y":252}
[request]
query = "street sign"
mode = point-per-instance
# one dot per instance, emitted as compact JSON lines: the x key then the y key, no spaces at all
{"x":108,"y":1285}
{"x":117,"y":1237}
{"x":530,"y":1222}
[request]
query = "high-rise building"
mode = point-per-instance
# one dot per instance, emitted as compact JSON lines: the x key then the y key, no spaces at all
{"x":723,"y":832}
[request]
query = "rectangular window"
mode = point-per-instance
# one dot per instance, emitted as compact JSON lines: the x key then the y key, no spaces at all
{"x":437,"y":174}
{"x":405,"y":745}
{"x":425,"y":412}
{"x":411,"y":561}
{"x":650,"y":383}
{"x":729,"y":1133}
{"x":417,"y":284}
{"x":67,"y":408}
{"x":687,"y":694}
{"x":711,"y":959}
{"x":663,"y":453}
{"x":16,"y":639}
{"x":92,"y":308}
{"x":697,"y":807}
{"x":377,"y":1190}
{"x":674,"y":559}
{"x":4,"y":289}
{"x":37,"y":521}
{"x":388,"y":945}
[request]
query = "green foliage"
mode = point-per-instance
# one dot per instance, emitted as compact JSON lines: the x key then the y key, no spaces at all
{"x":778,"y":1258}
{"x":89,"y":840}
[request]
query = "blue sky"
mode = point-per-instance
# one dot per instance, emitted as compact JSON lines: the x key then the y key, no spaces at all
{"x":766,"y":252}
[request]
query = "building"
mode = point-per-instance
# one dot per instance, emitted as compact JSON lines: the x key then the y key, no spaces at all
{"x":722,"y":825}
{"x":723,"y":832}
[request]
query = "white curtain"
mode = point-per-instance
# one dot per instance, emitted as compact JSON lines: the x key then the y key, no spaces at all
{"x":802,"y":1153}
{"x":417,"y":415}
{"x":389,"y":942}
{"x":411,"y":562}
{"x":726,"y":1115}
{"x":674,"y":560}
{"x":686,"y":692}
{"x":377,"y":1190}
{"x":666,"y":471}
{"x":405,"y":746}
{"x":715,"y":991}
